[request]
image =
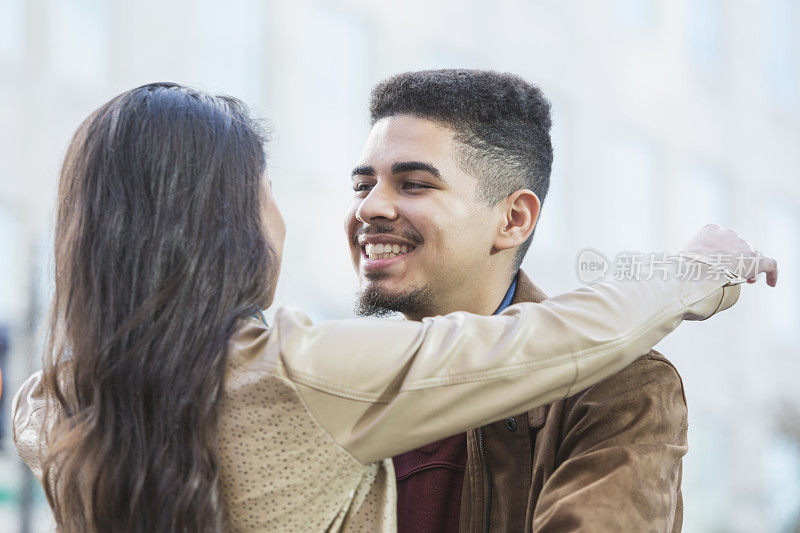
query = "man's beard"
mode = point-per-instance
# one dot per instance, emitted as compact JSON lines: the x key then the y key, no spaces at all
{"x":373,"y":302}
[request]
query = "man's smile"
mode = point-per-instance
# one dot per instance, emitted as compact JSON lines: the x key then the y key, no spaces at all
{"x":380,"y":255}
{"x":382,"y":250}
{"x":385,"y":251}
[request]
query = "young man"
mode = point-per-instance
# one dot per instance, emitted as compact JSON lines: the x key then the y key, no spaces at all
{"x":447,"y":194}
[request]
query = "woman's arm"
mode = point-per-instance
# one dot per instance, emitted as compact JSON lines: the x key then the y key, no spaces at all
{"x":381,"y":387}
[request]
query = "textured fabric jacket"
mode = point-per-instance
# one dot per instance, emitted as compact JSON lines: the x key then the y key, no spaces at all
{"x":605,"y":459}
{"x":311,"y":413}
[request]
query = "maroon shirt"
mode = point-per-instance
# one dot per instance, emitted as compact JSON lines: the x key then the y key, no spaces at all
{"x":430,"y":478}
{"x":429,"y":482}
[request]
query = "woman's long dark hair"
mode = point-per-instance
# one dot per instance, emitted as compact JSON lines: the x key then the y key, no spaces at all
{"x":159,"y":251}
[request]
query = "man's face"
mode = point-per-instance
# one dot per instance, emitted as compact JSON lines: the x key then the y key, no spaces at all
{"x":420,"y":235}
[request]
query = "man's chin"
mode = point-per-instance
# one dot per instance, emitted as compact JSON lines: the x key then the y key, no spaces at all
{"x":374,"y":300}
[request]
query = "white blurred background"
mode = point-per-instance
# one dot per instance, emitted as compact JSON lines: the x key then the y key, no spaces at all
{"x":667,"y":114}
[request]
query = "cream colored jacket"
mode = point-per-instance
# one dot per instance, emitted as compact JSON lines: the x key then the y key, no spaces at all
{"x":311,"y":412}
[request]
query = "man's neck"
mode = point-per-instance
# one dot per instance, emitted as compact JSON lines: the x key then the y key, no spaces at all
{"x":484,"y":302}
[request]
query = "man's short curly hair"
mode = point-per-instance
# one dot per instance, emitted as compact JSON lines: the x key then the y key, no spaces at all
{"x":501,"y":122}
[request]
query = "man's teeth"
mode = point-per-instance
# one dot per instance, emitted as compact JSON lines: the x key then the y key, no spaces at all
{"x":386,"y":251}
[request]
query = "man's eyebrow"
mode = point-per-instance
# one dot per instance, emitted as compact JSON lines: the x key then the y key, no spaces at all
{"x":363,"y":170}
{"x":409,"y":166}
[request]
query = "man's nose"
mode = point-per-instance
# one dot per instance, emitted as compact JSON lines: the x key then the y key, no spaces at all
{"x":378,"y":204}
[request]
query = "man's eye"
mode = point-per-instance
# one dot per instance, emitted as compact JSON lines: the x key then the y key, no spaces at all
{"x":359,"y":187}
{"x":415,"y":185}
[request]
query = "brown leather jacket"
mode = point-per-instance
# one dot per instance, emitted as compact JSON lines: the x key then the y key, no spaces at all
{"x":605,"y":459}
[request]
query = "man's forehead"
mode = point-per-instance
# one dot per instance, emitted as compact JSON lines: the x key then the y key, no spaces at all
{"x":410,"y":128}
{"x":406,"y":138}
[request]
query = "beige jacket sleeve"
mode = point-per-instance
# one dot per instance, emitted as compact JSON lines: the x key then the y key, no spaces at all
{"x":382,"y":387}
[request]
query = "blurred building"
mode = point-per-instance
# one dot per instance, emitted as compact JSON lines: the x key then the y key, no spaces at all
{"x":667,"y":114}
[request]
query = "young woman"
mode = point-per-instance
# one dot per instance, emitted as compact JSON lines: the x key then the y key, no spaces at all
{"x":165,"y":404}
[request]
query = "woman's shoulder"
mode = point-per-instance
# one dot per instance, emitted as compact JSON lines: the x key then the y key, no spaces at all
{"x":255,"y":345}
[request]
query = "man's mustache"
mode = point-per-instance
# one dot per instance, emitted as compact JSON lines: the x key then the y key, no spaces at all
{"x":410,"y":235}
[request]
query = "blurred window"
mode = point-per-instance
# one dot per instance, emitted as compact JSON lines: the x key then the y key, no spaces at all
{"x":12,"y":30}
{"x":782,"y":477}
{"x":228,"y":47}
{"x":446,"y":57}
{"x":781,"y":49}
{"x":708,"y":476}
{"x":327,"y":76}
{"x":703,"y":196}
{"x":5,"y":403}
{"x":705,"y":32}
{"x":80,"y":46}
{"x":630,"y":209}
{"x":782,"y":241}
{"x":11,"y":305}
{"x":11,"y":261}
{"x":637,"y":14}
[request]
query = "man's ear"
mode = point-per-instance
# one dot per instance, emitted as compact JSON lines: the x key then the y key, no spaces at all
{"x":520,"y":212}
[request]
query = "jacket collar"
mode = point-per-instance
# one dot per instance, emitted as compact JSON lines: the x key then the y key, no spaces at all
{"x":527,"y":291}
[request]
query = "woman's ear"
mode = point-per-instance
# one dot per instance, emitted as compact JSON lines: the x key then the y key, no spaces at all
{"x":521,"y":211}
